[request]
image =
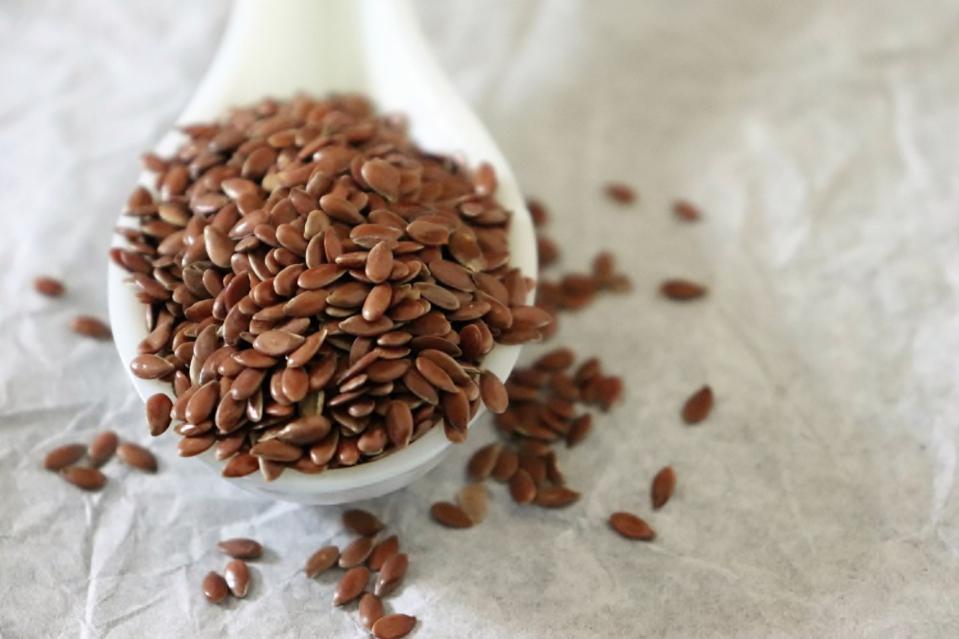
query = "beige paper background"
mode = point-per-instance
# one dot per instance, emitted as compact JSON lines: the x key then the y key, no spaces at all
{"x":818,"y":501}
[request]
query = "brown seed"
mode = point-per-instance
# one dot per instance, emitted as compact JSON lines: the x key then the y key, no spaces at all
{"x":158,"y":409}
{"x":556,"y":497}
{"x":193,"y":446}
{"x":428,"y":233}
{"x":382,"y":177}
{"x":383,"y":551}
{"x":370,"y":609}
{"x":493,"y":393}
{"x":48,"y":286}
{"x":631,"y":526}
{"x":305,"y":430}
{"x":418,"y":385}
{"x":137,"y":457}
{"x":148,"y":366}
{"x":379,"y":263}
{"x":579,"y":429}
{"x":555,"y":360}
{"x":474,"y":501}
{"x":682,"y":290}
{"x":102,"y":448}
{"x":270,"y":469}
{"x":698,"y":406}
{"x":306,"y":304}
{"x":240,"y":548}
{"x":320,"y":276}
{"x":506,"y":465}
{"x":686,"y":211}
{"x":202,"y":402}
{"x":237,"y":575}
{"x":358,"y":326}
{"x":85,"y":478}
{"x":277,"y":342}
{"x":322,"y":560}
{"x":276,"y":450}
{"x":435,"y":375}
{"x":377,"y":302}
{"x":620,"y":193}
{"x":450,"y":515}
{"x":228,"y":446}
{"x":215,"y":588}
{"x":399,"y":423}
{"x":457,"y":410}
{"x":664,"y":483}
{"x":356,"y":553}
{"x":391,"y":574}
{"x":351,"y":585}
{"x":395,"y":626}
{"x":534,"y":465}
{"x":482,"y":462}
{"x":295,"y":384}
{"x":64,"y":456}
{"x":218,"y":246}
{"x":241,"y":465}
{"x":522,"y":488}
{"x":362,"y":522}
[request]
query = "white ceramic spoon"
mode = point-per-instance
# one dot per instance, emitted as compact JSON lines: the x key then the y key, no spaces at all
{"x":375,"y":47}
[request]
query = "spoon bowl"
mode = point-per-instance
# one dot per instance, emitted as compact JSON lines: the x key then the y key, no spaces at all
{"x":373,"y":47}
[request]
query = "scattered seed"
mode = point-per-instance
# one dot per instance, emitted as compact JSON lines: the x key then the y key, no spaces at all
{"x":556,"y":497}
{"x":394,"y":626}
{"x":370,"y":609}
{"x":620,"y":193}
{"x":356,"y":553}
{"x":522,"y":488}
{"x":90,"y":326}
{"x":362,"y":522}
{"x":215,"y":588}
{"x":48,"y":286}
{"x":322,"y":560}
{"x":237,"y":575}
{"x":686,"y":211}
{"x":555,"y":360}
{"x":450,"y":515}
{"x":102,"y":448}
{"x":682,"y":290}
{"x":482,"y":462}
{"x":579,"y":429}
{"x":662,"y":488}
{"x":698,"y":406}
{"x":631,"y":526}
{"x":64,"y":456}
{"x":391,"y":574}
{"x":506,"y":465}
{"x":85,"y":478}
{"x":351,"y":585}
{"x":240,"y":548}
{"x":383,"y":551}
{"x":137,"y":457}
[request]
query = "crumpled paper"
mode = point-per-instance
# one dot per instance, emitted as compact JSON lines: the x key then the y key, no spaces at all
{"x":818,"y":499}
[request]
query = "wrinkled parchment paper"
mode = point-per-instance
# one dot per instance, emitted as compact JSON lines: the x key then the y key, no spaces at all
{"x":819,"y":500}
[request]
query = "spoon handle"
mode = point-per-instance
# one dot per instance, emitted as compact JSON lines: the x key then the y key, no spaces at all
{"x":280,"y":47}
